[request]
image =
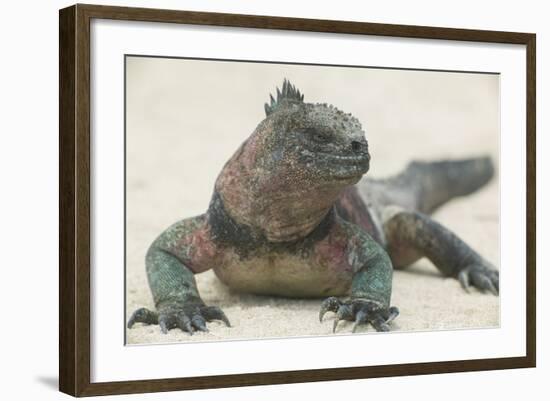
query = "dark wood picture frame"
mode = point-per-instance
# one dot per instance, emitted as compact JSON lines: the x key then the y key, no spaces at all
{"x":74,"y":199}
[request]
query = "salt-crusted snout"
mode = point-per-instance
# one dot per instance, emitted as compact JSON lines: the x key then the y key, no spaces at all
{"x":353,"y":161}
{"x":360,"y":148}
{"x":356,"y":146}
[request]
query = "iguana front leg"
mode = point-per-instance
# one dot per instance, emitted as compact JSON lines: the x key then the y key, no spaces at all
{"x":370,"y":293}
{"x":172,"y":282}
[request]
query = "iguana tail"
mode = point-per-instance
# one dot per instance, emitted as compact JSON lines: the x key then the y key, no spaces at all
{"x":425,"y":186}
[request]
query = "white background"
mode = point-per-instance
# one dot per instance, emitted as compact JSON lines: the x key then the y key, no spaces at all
{"x":29,"y":206}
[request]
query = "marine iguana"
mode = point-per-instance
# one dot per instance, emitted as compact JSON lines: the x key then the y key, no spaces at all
{"x":292,"y":215}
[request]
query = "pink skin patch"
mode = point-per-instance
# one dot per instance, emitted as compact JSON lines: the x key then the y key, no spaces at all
{"x":351,"y":208}
{"x":331,"y":252}
{"x":201,"y":251}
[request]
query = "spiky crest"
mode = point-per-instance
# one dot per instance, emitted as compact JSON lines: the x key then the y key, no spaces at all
{"x":288,"y":92}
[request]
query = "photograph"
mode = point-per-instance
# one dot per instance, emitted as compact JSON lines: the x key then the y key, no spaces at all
{"x":274,"y":200}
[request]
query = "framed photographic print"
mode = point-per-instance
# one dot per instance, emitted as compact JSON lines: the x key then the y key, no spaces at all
{"x":252,"y":200}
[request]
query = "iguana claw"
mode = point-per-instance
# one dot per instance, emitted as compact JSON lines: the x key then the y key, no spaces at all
{"x":481,"y":275}
{"x":359,"y":311}
{"x":330,"y":304}
{"x":188,"y":319}
{"x":143,"y":315}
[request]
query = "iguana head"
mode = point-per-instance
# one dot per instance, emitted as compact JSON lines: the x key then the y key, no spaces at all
{"x":287,"y":175}
{"x":315,"y":140}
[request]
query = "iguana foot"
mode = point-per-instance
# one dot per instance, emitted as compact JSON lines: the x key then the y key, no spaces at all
{"x":481,"y":275}
{"x":359,"y":311}
{"x":188,"y":317}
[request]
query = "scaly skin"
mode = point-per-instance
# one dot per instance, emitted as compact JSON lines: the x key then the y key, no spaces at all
{"x":286,"y":218}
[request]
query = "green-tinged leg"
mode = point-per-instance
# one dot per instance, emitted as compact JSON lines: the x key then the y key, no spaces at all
{"x":370,"y":293}
{"x":176,"y":296}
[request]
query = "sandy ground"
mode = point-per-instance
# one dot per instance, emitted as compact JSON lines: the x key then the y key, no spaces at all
{"x":185,"y":119}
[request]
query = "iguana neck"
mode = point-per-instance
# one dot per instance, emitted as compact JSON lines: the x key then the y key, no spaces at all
{"x":278,"y":206}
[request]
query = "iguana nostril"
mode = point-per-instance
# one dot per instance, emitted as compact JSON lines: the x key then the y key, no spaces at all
{"x":356,"y":146}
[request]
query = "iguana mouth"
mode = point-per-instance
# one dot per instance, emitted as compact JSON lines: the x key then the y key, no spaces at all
{"x":340,"y":166}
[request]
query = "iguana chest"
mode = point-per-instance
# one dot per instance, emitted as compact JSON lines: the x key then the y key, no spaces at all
{"x":322,"y":271}
{"x":314,"y":266}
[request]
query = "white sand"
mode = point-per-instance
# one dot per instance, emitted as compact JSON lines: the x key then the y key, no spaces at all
{"x":185,"y":118}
